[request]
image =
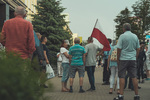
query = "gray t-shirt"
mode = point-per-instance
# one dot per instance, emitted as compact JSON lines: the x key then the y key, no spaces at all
{"x":91,"y":50}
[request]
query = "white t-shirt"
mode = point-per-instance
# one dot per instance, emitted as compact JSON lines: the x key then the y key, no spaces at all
{"x":59,"y":58}
{"x":64,"y":58}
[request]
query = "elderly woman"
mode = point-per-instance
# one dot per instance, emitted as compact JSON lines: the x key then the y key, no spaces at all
{"x":65,"y":64}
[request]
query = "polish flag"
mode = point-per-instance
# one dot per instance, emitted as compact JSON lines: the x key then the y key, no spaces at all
{"x":98,"y":34}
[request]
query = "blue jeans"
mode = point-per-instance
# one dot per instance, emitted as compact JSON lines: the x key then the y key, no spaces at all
{"x":90,"y":73}
{"x":114,"y":73}
{"x":65,"y":76}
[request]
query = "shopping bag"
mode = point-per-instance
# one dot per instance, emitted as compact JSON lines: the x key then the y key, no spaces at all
{"x":49,"y":71}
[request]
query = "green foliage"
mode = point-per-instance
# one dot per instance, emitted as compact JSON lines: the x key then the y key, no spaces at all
{"x":141,"y":9}
{"x":50,"y":22}
{"x":18,"y":79}
{"x":125,"y":16}
{"x":139,"y":18}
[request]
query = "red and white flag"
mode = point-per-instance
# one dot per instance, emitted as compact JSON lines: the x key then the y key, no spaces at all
{"x":98,"y":34}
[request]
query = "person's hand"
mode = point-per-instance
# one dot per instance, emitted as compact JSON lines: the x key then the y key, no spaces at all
{"x":47,"y":61}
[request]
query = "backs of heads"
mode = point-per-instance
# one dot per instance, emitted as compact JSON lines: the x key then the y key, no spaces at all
{"x":127,"y":27}
{"x":38,"y":34}
{"x":65,"y":41}
{"x":20,"y":11}
{"x":90,"y":39}
{"x":77,"y":40}
{"x":109,"y":40}
{"x":42,"y":38}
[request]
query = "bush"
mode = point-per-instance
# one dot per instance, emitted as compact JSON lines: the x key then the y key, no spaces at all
{"x":18,"y":80}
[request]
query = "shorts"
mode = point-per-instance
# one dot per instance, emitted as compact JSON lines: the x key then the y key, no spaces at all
{"x":127,"y":65}
{"x":73,"y":69}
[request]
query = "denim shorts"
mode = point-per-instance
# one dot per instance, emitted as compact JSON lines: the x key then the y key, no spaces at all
{"x":73,"y":69}
{"x":66,"y":68}
{"x":127,"y":65}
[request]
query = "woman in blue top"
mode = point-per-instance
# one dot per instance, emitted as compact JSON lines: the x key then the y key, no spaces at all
{"x":112,"y":64}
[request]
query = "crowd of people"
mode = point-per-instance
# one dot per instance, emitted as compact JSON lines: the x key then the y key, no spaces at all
{"x":125,"y":59}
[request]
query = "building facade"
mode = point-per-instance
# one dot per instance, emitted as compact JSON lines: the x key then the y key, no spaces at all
{"x":7,"y":8}
{"x":30,"y":8}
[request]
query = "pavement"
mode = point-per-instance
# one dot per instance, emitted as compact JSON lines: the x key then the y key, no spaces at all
{"x":101,"y":93}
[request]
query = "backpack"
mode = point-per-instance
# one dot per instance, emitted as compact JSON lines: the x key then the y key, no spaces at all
{"x":114,"y":55}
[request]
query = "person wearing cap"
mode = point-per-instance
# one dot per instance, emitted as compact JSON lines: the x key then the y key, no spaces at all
{"x":65,"y":64}
{"x":77,"y":62}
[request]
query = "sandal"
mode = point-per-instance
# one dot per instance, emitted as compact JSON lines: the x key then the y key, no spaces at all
{"x":64,"y":90}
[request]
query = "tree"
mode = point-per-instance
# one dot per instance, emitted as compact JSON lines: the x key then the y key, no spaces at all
{"x":141,"y":9}
{"x":125,"y":16}
{"x":49,"y":21}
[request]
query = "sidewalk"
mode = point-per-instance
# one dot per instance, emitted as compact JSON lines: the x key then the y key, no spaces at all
{"x":101,"y":92}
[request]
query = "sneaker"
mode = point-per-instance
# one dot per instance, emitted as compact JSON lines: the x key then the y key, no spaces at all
{"x":89,"y":89}
{"x":81,"y":91}
{"x":106,"y":83}
{"x":71,"y":90}
{"x":139,"y":81}
{"x":139,"y":87}
{"x":118,"y":98}
{"x":137,"y":98}
{"x":44,"y":86}
{"x":142,"y":81}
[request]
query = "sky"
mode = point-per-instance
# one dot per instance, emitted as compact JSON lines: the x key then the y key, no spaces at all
{"x":83,"y":15}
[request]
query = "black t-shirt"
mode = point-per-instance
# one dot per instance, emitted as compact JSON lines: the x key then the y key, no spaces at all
{"x":46,"y":49}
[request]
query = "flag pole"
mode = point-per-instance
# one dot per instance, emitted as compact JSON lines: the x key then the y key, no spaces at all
{"x":94,"y":26}
{"x":96,"y":23}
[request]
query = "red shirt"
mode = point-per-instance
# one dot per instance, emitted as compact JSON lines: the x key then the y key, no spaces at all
{"x":17,"y":35}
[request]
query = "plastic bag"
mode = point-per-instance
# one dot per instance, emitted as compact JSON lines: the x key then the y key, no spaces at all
{"x":49,"y":71}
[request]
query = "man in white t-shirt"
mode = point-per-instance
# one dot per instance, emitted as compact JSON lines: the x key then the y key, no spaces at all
{"x":59,"y":62}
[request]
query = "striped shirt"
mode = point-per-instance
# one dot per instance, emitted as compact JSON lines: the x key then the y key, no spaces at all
{"x":77,"y":52}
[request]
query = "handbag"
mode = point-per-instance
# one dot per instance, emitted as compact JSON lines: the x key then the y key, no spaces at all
{"x":49,"y":71}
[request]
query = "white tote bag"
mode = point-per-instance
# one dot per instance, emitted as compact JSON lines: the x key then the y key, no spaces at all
{"x":49,"y":71}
